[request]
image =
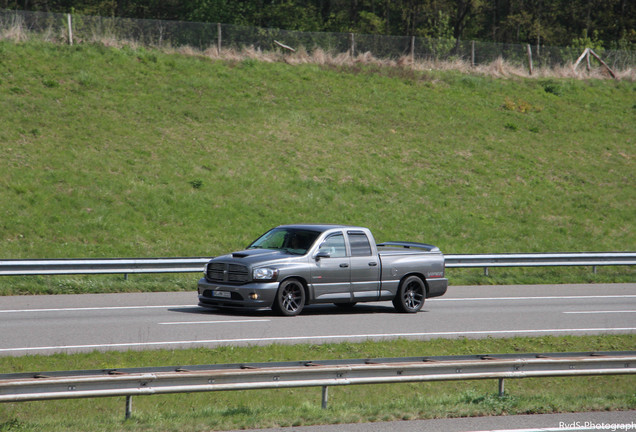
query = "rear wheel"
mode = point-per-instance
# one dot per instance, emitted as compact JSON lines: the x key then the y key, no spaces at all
{"x":290,"y":298}
{"x":411,"y":295}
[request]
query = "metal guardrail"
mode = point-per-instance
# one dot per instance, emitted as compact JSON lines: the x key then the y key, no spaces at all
{"x":592,"y":259}
{"x":207,"y":378}
{"x":101,"y":266}
{"x":542,"y":259}
{"x":195,"y":265}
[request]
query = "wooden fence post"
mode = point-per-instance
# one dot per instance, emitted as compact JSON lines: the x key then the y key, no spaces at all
{"x":219,"y":37}
{"x":586,"y":54}
{"x":70,"y":29}
{"x":530,"y":58}
{"x":412,"y":50}
{"x":576,"y":64}
{"x":597,"y":57}
{"x":472,"y":53}
{"x":353,"y":45}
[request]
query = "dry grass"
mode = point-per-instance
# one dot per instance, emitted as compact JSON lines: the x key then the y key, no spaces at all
{"x":15,"y":30}
{"x":500,"y":68}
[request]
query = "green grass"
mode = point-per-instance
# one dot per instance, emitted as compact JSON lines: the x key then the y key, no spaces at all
{"x":295,"y":407}
{"x":138,"y":153}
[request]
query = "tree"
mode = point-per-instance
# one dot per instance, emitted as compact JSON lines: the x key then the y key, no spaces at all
{"x":463,"y":8}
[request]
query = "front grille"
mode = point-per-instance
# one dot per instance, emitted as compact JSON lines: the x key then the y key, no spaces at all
{"x":215,"y":271}
{"x":225,"y":272}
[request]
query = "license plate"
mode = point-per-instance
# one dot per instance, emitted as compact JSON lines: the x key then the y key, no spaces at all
{"x":224,"y":294}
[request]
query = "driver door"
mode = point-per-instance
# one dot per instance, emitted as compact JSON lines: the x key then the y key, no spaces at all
{"x":331,"y":275}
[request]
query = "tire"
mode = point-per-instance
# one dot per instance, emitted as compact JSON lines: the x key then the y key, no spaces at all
{"x":290,"y":298}
{"x":410,"y":296}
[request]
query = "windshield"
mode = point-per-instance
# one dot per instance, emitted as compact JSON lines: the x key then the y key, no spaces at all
{"x":291,"y":240}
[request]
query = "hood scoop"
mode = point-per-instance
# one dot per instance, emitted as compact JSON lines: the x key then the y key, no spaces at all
{"x":254,"y":253}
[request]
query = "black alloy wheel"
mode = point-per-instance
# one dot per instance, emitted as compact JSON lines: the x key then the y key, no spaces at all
{"x":290,"y":298}
{"x":411,"y":295}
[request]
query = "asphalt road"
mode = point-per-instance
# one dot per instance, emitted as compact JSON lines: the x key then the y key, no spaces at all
{"x":563,"y":422}
{"x":81,"y":323}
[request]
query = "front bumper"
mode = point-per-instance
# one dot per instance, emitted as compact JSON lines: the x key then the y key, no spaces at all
{"x":252,"y":295}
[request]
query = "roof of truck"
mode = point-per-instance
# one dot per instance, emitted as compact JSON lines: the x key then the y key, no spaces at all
{"x":318,"y":227}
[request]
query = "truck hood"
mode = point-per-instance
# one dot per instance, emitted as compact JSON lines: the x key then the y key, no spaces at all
{"x":256,"y":256}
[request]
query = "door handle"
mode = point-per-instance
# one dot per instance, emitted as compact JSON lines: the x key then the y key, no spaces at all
{"x":373,"y":264}
{"x":344,"y":265}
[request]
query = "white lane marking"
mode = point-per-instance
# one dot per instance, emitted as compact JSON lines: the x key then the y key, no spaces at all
{"x":547,"y":429}
{"x":80,"y":309}
{"x":213,"y":322}
{"x":600,"y":312}
{"x":97,"y":308}
{"x":535,"y":298}
{"x":313,"y":338}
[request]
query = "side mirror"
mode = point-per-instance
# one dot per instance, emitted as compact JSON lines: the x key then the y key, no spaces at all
{"x":322,"y":254}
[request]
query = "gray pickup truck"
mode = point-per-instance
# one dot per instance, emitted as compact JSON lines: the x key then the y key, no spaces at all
{"x":292,"y":266}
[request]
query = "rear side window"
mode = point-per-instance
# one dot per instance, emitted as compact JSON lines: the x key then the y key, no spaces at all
{"x":359,"y":244}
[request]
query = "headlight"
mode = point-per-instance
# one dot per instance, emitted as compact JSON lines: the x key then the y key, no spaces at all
{"x":265,"y":273}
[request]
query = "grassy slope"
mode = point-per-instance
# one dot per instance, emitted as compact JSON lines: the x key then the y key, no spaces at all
{"x":111,"y":153}
{"x":134,"y":153}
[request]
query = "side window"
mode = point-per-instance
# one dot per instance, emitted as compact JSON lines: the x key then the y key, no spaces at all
{"x":334,"y":245}
{"x":359,"y":244}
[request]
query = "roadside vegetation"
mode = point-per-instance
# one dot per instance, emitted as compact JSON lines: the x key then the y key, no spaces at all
{"x":302,"y":406}
{"x":130,"y":152}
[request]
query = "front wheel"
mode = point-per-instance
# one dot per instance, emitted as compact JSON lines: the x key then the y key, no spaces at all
{"x":290,"y":298}
{"x":410,"y":296}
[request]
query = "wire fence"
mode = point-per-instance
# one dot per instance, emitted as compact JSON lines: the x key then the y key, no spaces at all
{"x":76,"y":28}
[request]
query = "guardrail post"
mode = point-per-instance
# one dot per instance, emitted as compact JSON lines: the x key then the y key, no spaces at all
{"x":485,"y":271}
{"x":128,"y":407}
{"x":501,"y":387}
{"x":325,"y":396}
